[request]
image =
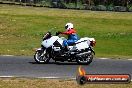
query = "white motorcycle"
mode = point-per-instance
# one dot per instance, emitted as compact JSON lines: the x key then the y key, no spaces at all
{"x":52,"y":48}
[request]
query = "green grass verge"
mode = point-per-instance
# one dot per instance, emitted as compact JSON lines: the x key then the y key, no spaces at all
{"x":21,"y":29}
{"x":52,"y":83}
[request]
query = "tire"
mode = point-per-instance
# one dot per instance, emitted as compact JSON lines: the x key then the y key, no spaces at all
{"x":81,"y":80}
{"x":41,"y":59}
{"x":85,"y":61}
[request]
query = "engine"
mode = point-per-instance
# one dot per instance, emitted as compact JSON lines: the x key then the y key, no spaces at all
{"x":57,"y":49}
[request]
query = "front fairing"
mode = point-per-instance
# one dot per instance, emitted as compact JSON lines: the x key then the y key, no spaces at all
{"x":49,"y":42}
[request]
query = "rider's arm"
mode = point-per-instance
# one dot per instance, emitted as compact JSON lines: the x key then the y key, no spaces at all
{"x":69,"y":32}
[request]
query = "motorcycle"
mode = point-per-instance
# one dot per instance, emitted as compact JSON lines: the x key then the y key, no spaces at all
{"x":52,"y":48}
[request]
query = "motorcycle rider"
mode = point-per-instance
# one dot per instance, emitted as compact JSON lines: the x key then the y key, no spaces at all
{"x":72,"y":36}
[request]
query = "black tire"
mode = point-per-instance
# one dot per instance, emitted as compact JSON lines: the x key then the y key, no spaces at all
{"x":86,"y":60}
{"x":41,"y":59}
{"x":81,"y":80}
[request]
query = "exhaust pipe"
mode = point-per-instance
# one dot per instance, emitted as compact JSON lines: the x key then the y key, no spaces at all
{"x":84,"y":53}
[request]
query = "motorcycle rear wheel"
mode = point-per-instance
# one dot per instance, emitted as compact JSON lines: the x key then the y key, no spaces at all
{"x":85,"y":61}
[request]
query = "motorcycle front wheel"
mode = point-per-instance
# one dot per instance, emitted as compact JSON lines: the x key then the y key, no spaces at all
{"x":41,"y":57}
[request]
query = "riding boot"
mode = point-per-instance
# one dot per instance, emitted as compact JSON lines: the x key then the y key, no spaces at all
{"x":67,"y":48}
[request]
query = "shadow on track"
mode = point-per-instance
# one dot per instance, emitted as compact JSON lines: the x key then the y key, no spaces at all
{"x":57,"y":63}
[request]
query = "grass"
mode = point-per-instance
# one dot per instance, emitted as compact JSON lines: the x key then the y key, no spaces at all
{"x":21,"y":29}
{"x":52,"y":83}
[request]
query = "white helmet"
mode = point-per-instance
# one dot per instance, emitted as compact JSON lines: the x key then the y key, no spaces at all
{"x":68,"y":26}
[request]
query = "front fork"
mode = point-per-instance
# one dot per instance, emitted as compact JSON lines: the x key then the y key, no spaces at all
{"x":41,"y":51}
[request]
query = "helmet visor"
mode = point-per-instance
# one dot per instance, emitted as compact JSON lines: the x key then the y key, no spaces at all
{"x":66,"y":26}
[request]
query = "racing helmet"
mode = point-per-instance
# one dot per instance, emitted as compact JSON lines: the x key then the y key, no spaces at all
{"x":68,"y":26}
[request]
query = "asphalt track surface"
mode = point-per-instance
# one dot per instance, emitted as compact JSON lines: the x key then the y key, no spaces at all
{"x":18,"y":66}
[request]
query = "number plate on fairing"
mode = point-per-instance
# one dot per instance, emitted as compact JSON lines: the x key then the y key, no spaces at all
{"x":56,"y":48}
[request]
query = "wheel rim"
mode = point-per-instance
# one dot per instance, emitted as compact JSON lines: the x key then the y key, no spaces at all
{"x":41,"y":58}
{"x":85,"y":59}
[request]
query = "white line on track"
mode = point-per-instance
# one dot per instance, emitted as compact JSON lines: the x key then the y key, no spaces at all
{"x":104,"y":58}
{"x":129,"y":59}
{"x":50,"y":77}
{"x":56,"y":78}
{"x":8,"y":55}
{"x":7,"y":76}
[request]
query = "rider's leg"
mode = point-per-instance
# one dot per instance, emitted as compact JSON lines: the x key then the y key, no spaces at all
{"x":68,"y":42}
{"x":65,"y":43}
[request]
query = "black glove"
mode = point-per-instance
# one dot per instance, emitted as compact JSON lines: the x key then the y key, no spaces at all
{"x":57,"y":33}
